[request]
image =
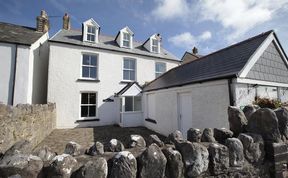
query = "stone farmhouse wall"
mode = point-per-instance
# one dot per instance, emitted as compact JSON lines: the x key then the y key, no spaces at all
{"x":25,"y":122}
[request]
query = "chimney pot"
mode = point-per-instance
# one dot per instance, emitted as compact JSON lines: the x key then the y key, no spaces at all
{"x":66,"y":22}
{"x":42,"y":22}
{"x":194,"y":50}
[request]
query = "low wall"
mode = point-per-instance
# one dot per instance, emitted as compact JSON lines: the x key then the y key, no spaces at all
{"x":28,"y":122}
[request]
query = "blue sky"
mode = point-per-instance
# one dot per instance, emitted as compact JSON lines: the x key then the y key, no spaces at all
{"x":207,"y":24}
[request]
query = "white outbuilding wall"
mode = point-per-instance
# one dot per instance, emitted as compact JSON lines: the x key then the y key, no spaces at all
{"x":209,"y":106}
{"x":64,"y":87}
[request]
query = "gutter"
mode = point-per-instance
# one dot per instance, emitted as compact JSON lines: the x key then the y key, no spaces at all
{"x":14,"y":75}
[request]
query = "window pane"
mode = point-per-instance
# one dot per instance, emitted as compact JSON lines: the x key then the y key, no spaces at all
{"x":126,"y":36}
{"x":154,"y":42}
{"x":84,"y":111}
{"x":158,"y":74}
{"x":92,"y":111}
{"x":84,"y":98}
{"x":128,"y":103}
{"x":85,"y":72}
{"x":126,"y":75}
{"x":92,"y":98}
{"x":86,"y":59}
{"x":126,"y":63}
{"x":93,"y":72}
{"x":93,"y":60}
{"x":93,"y":30}
{"x":126,"y":43}
{"x":154,"y":49}
{"x":132,"y":75}
{"x":132,"y":64}
{"x":137,"y":103}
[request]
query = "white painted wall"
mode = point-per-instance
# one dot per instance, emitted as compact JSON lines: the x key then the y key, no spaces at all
{"x":64,"y":89}
{"x":132,"y":119}
{"x":209,"y":106}
{"x":7,"y":62}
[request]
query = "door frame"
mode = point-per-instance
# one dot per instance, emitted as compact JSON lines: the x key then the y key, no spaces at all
{"x":179,"y":117}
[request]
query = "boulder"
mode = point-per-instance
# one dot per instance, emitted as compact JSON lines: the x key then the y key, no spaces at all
{"x":222,"y":134}
{"x":151,"y":163}
{"x":26,"y":166}
{"x":96,"y":149}
{"x":124,"y":165}
{"x":237,"y":120}
{"x":115,"y":146}
{"x":136,"y":141}
{"x":282,"y":115}
{"x":195,"y":158}
{"x":154,"y":139}
{"x":218,"y":159}
{"x":264,"y":122}
{"x":208,"y":135}
{"x":73,"y":148}
{"x":236,"y":156}
{"x":175,"y":137}
{"x":92,"y":169}
{"x":20,"y":147}
{"x":249,"y":110}
{"x":253,"y":145}
{"x":61,"y":166}
{"x":175,"y":166}
{"x":194,"y":135}
{"x":46,"y":154}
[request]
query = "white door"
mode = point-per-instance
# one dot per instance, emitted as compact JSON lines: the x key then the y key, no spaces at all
{"x":184,"y":112}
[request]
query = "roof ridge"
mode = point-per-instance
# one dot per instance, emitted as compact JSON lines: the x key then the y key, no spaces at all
{"x":32,"y":28}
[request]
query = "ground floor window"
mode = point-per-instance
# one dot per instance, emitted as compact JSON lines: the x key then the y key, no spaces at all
{"x":88,"y":104}
{"x":132,"y":103}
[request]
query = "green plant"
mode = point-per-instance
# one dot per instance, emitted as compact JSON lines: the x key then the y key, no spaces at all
{"x":267,"y":103}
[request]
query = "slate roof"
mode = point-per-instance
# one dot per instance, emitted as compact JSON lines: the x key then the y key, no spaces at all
{"x":11,"y":33}
{"x":225,"y":63}
{"x":107,"y":42}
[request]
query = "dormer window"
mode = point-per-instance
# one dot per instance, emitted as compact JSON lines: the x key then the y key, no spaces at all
{"x":90,"y":31}
{"x":155,"y":45}
{"x":152,"y":44}
{"x":126,"y":40}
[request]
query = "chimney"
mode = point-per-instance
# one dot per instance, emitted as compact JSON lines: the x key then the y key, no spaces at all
{"x":195,"y":50}
{"x":42,"y":22}
{"x":66,"y":22}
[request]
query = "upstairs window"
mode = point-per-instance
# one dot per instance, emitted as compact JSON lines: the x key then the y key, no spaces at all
{"x":155,"y":45}
{"x":88,"y":105}
{"x":91,"y":33}
{"x":160,"y":68}
{"x":89,"y":66}
{"x":129,"y":69}
{"x":126,"y":40}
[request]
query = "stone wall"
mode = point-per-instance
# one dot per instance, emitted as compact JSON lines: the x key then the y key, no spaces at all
{"x":25,"y":122}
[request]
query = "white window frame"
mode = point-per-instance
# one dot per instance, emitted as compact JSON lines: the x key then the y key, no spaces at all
{"x":123,"y":101}
{"x":158,"y":72}
{"x":154,"y":46}
{"x":91,"y":33}
{"x":96,"y":104}
{"x":85,"y":65}
{"x":126,"y":40}
{"x":135,"y":70}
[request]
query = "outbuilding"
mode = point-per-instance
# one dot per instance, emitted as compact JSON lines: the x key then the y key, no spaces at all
{"x":197,"y":94}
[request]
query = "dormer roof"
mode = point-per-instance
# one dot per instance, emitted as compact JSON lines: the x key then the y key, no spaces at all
{"x":91,"y":22}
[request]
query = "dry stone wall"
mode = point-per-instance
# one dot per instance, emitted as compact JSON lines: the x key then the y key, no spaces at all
{"x":25,"y":122}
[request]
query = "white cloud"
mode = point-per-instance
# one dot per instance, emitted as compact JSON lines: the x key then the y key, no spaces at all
{"x":186,"y":40}
{"x":169,"y":9}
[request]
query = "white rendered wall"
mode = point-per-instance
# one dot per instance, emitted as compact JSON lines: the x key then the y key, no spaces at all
{"x":7,"y":62}
{"x":64,"y":89}
{"x":209,"y":106}
{"x":132,"y":119}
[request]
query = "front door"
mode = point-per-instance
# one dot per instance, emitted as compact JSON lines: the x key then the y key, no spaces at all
{"x":184,"y":112}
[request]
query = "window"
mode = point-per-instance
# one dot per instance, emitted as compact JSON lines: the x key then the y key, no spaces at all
{"x":91,"y":33}
{"x":155,"y":45}
{"x":129,"y":69}
{"x":160,"y":68}
{"x":89,"y":66}
{"x":133,"y":103}
{"x":126,"y":40}
{"x":88,"y":104}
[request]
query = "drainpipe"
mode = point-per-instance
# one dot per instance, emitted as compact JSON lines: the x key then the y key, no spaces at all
{"x":231,"y":102}
{"x":14,"y":76}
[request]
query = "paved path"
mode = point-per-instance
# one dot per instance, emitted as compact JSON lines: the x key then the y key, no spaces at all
{"x":85,"y":136}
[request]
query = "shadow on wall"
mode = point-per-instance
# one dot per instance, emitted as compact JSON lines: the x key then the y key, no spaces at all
{"x":11,"y":77}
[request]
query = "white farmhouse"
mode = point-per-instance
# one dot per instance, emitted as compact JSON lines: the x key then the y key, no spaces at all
{"x":197,"y":93}
{"x":96,"y":79}
{"x":24,"y":62}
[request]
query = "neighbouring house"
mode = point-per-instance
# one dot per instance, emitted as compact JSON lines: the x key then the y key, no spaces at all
{"x":24,"y":62}
{"x":197,"y":94}
{"x":188,"y":56}
{"x":96,"y":79}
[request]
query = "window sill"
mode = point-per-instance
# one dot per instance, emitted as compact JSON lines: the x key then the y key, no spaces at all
{"x":87,"y":120}
{"x":87,"y":80}
{"x":127,"y":81}
{"x":151,"y":120}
